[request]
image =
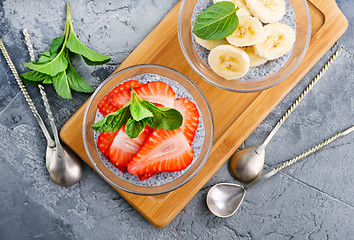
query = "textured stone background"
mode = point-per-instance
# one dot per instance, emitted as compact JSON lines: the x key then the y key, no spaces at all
{"x":314,"y":199}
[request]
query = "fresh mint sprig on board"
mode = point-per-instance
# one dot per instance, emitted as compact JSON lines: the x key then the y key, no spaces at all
{"x":138,"y":113}
{"x":217,"y":21}
{"x":54,"y":66}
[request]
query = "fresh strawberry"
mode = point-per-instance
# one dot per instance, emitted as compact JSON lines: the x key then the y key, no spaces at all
{"x":157,"y":92}
{"x":120,"y":95}
{"x":104,"y":142}
{"x":124,"y":148}
{"x":163,"y":151}
{"x":190,"y":117}
{"x":105,"y":106}
{"x":143,"y":177}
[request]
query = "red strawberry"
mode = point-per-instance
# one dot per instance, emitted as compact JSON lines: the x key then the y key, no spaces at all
{"x":157,"y":92}
{"x":120,"y":95}
{"x":190,"y":117}
{"x":104,"y":142}
{"x":143,"y":177}
{"x":163,"y":151}
{"x":106,"y":107}
{"x":124,"y":148}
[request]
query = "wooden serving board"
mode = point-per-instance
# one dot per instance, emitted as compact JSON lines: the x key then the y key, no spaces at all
{"x":236,"y":115}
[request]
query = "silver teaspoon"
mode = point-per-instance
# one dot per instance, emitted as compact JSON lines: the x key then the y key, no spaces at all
{"x":63,"y":165}
{"x":246,"y":165}
{"x":224,"y":199}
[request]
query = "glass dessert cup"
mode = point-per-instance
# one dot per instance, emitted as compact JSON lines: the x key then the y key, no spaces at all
{"x":303,"y":36}
{"x":90,"y":115}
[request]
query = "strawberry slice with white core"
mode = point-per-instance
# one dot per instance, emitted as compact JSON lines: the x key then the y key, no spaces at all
{"x":190,"y":115}
{"x":163,"y":151}
{"x":157,"y":92}
{"x":120,"y":95}
{"x":104,"y":142}
{"x":124,"y":148}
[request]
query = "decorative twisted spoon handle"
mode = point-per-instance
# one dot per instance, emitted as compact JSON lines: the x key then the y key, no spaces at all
{"x":24,"y":91}
{"x":301,"y":97}
{"x":59,"y":148}
{"x":301,"y":156}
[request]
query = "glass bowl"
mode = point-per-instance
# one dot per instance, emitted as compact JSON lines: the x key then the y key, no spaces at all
{"x":89,"y":119}
{"x":303,"y":36}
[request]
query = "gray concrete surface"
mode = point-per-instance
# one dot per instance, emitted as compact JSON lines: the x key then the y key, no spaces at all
{"x":312,"y":200}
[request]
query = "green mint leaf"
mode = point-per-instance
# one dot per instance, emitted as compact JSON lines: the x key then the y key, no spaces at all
{"x":53,"y":67}
{"x":137,"y":109}
{"x":61,"y":85}
{"x":165,"y":118}
{"x":113,"y":121}
{"x":57,"y":44}
{"x":46,"y":57}
{"x":76,"y":82}
{"x":134,"y":128}
{"x":33,"y":76}
{"x":48,"y":80}
{"x":217,"y":21}
{"x":89,"y":56}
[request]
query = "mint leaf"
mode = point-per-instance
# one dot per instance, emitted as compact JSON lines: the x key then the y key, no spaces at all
{"x":56,"y":44}
{"x":165,"y":118}
{"x":89,"y":56}
{"x":48,"y":80}
{"x":217,"y":21}
{"x":33,"y":76}
{"x":113,"y":121}
{"x":137,"y":109}
{"x":76,"y":82}
{"x":134,"y":128}
{"x":61,"y":85}
{"x":53,"y":67}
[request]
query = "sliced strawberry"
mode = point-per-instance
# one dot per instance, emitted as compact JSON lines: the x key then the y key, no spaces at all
{"x":143,"y":177}
{"x":120,"y":95}
{"x":105,"y":106}
{"x":190,"y":115}
{"x":124,"y":148}
{"x":157,"y":92}
{"x":163,"y":151}
{"x":104,"y":142}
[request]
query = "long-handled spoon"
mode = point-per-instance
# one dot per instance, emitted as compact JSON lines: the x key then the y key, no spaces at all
{"x":224,"y":199}
{"x":246,"y":165}
{"x":63,"y":166}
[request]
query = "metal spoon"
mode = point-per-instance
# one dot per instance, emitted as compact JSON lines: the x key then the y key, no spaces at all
{"x":246,"y":165}
{"x":63,"y":165}
{"x":224,"y":199}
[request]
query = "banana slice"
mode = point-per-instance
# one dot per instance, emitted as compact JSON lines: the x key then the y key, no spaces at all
{"x":210,"y":44}
{"x":255,"y":60}
{"x":229,"y":62}
{"x":241,"y":4}
{"x":247,"y":33}
{"x":268,"y":11}
{"x":276,"y":40}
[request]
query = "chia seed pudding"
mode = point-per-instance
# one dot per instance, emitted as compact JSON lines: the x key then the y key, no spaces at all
{"x":255,"y":73}
{"x":197,"y":144}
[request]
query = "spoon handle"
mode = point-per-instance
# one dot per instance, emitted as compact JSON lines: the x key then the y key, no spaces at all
{"x":59,"y":148}
{"x":301,"y":156}
{"x":24,"y":91}
{"x":301,"y":97}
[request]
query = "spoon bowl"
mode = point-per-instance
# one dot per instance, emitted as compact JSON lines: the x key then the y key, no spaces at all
{"x":224,"y":199}
{"x":246,"y":165}
{"x":66,"y":170}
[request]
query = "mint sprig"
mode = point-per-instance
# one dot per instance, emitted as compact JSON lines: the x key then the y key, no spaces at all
{"x":54,"y":66}
{"x":217,"y":21}
{"x":138,"y":113}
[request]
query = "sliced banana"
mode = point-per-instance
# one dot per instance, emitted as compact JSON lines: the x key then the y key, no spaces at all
{"x":229,"y":62}
{"x":255,"y":60}
{"x":276,"y":40}
{"x":247,"y":33}
{"x":210,"y":44}
{"x":241,"y":4}
{"x":268,"y":11}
